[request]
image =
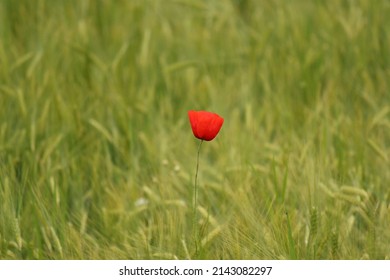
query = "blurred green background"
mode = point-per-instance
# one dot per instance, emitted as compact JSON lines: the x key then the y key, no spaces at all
{"x":97,"y":157}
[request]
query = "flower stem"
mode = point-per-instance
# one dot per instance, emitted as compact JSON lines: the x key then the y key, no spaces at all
{"x":195,"y":202}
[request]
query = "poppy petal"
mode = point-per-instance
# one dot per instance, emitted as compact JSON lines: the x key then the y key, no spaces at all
{"x":205,"y":125}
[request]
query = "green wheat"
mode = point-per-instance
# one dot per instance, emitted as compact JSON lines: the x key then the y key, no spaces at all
{"x":97,"y":155}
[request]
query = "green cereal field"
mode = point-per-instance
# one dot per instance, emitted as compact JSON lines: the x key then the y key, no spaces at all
{"x":97,"y":155}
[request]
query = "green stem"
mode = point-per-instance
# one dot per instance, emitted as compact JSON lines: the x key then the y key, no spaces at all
{"x":195,"y":202}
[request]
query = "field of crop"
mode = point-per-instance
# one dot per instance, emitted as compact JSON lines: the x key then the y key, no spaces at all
{"x":97,"y":156}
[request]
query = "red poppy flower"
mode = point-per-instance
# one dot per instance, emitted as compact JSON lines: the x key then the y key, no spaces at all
{"x":205,"y":125}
